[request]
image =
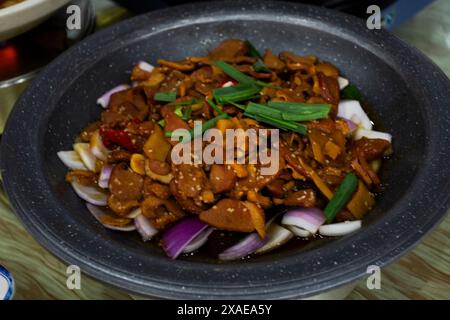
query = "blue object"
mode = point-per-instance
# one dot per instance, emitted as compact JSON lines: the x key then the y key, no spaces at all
{"x":401,"y":10}
{"x":6,"y":284}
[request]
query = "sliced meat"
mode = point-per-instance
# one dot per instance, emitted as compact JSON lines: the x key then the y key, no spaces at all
{"x":230,"y":215}
{"x":303,"y":198}
{"x":121,"y":207}
{"x":119,"y":155}
{"x":124,"y":184}
{"x":371,"y":149}
{"x":229,"y":49}
{"x":161,"y":212}
{"x":222,"y":178}
{"x":152,"y":188}
{"x":273,"y":62}
{"x":328,"y":88}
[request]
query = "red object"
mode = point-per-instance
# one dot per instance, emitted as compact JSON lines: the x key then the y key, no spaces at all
{"x":112,"y":137}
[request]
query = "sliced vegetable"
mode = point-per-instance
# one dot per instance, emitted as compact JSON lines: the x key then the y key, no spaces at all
{"x":98,"y":149}
{"x":105,"y":174}
{"x":309,"y":219}
{"x":104,"y":99}
{"x":71,"y":159}
{"x":165,"y":96}
{"x":234,"y":73}
{"x":145,"y":228}
{"x":243,"y":248}
{"x":90,"y":194}
{"x":361,"y":202}
{"x":281,"y":124}
{"x":352,"y":110}
{"x":340,"y":229}
{"x":177,"y":238}
{"x":252,"y":51}
{"x":237,"y":93}
{"x":206,"y":126}
{"x":343,"y":83}
{"x":156,"y":147}
{"x":371,"y":134}
{"x":145,"y":66}
{"x":112,"y":137}
{"x":109,"y":221}
{"x":277,"y":236}
{"x":341,"y":196}
{"x":299,"y":232}
{"x":300,"y":107}
{"x":259,"y":66}
{"x":198,"y":241}
{"x":351,"y":92}
{"x":85,"y":154}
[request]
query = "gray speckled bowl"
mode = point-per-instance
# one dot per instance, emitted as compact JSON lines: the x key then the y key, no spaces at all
{"x":409,"y":95}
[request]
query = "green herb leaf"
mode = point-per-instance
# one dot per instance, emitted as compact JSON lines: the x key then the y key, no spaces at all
{"x":259,"y":66}
{"x":214,"y":106}
{"x":179,"y":111}
{"x":341,"y":196}
{"x":184,"y":103}
{"x":237,"y":93}
{"x":162,"y":123}
{"x":351,"y":92}
{"x":165,"y":96}
{"x":234,"y":73}
{"x":299,"y":107}
{"x":252,"y":51}
{"x":304,"y":117}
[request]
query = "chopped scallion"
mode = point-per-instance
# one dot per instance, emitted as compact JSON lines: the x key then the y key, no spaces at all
{"x":165,"y":96}
{"x":341,"y":196}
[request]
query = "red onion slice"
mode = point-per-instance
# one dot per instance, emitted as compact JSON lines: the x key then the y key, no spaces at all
{"x":105,"y":174}
{"x":180,"y":235}
{"x":104,"y":99}
{"x":99,"y":212}
{"x":309,"y":219}
{"x":90,"y":194}
{"x":243,"y":248}
{"x":277,"y":236}
{"x":145,"y":227}
{"x":340,"y":229}
{"x":199,"y":241}
{"x":352,"y":110}
{"x":145,"y":66}
{"x":350,"y":124}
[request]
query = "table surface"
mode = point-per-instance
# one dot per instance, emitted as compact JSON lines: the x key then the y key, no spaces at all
{"x":423,"y":273}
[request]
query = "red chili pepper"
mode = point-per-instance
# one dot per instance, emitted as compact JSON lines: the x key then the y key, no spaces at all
{"x":118,"y":137}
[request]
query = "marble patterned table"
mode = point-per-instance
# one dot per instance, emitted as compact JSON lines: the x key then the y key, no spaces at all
{"x":423,"y":273}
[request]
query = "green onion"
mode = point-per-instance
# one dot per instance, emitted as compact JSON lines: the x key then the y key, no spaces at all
{"x":208,"y":125}
{"x":304,"y":117}
{"x":252,"y":51}
{"x":341,"y":196}
{"x":237,"y":105}
{"x":351,"y":92}
{"x":256,"y":109}
{"x":179,"y":112}
{"x":299,"y":107}
{"x":234,"y":73}
{"x":187,"y":112}
{"x":165,"y":96}
{"x":281,"y":124}
{"x":214,"y":106}
{"x":184,"y":103}
{"x":259,"y":66}
{"x":237,"y":93}
{"x":168,"y":134}
{"x":162,"y":123}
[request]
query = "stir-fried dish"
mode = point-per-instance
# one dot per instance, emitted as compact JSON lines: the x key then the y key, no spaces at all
{"x":9,"y":3}
{"x":328,"y":154}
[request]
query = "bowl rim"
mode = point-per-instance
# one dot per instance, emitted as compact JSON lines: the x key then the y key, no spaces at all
{"x":335,"y":276}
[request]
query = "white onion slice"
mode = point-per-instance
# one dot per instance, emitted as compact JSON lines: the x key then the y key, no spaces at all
{"x":84,"y":152}
{"x":90,"y":194}
{"x":145,"y":227}
{"x":299,"y":232}
{"x":71,"y":160}
{"x":352,"y":110}
{"x":134,"y":213}
{"x":309,"y":219}
{"x":104,"y":99}
{"x":98,"y":212}
{"x":98,"y":149}
{"x":145,"y":66}
{"x":340,"y":229}
{"x":278,"y":236}
{"x":105,"y":174}
{"x":343,"y":82}
{"x":370,"y":134}
{"x":198,"y":241}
